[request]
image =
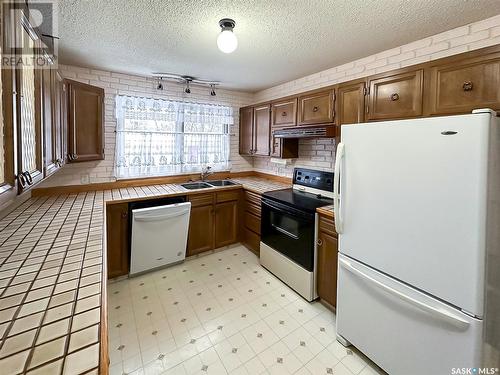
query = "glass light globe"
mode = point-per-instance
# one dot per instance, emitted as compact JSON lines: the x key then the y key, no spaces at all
{"x":227,"y":41}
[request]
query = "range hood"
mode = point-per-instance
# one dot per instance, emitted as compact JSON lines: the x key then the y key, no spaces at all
{"x":306,"y":132}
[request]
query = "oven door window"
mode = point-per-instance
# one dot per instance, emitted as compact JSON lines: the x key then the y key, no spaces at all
{"x":289,"y":232}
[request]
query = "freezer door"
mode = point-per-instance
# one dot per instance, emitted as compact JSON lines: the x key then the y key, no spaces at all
{"x":413,"y":203}
{"x":401,"y":329}
{"x":159,"y":236}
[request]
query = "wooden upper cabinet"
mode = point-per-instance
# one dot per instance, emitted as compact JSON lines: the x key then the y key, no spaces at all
{"x":350,"y":103}
{"x":262,"y":130}
{"x":316,"y":108}
{"x":284,"y":113}
{"x":393,"y":96}
{"x":86,"y":122}
{"x":246,"y":131}
{"x":461,"y":85}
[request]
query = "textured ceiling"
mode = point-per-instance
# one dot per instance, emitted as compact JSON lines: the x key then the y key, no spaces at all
{"x":279,"y":40}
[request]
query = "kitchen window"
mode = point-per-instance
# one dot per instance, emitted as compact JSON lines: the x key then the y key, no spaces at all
{"x":157,"y":137}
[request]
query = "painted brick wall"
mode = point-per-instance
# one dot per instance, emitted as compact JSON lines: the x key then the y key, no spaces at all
{"x":123,"y":84}
{"x":320,"y":153}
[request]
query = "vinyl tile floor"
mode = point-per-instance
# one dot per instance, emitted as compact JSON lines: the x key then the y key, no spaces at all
{"x":222,"y":313}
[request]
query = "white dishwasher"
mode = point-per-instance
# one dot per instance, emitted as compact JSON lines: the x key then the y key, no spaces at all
{"x":159,"y":236}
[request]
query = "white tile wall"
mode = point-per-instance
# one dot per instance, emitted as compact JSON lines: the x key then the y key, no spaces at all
{"x":312,"y":153}
{"x":124,"y":84}
{"x":320,"y":154}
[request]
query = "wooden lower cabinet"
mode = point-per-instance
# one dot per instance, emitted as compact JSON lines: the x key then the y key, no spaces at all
{"x":213,"y":222}
{"x":327,"y":252}
{"x":250,"y":219}
{"x":117,"y":235}
{"x":226,"y":223}
{"x":201,"y":230}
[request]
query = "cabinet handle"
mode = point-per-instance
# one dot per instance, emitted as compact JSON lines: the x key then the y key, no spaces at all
{"x":29,"y":179}
{"x":468,"y":86}
{"x":394,"y":97}
{"x":315,"y":109}
{"x":22,"y":179}
{"x":319,"y":242}
{"x":283,"y":114}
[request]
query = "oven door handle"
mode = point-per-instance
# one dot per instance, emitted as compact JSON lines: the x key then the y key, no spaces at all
{"x":284,"y":209}
{"x":285,"y":232}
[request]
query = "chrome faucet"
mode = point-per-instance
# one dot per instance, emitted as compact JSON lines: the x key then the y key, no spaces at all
{"x":205,"y":172}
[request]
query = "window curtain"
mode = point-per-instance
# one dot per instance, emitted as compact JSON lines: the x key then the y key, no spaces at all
{"x":157,"y":137}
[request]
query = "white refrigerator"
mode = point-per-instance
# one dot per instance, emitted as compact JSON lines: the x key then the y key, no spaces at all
{"x":417,"y":209}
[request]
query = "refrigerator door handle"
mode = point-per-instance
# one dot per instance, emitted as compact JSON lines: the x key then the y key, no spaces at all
{"x":337,"y":177}
{"x":452,"y":318}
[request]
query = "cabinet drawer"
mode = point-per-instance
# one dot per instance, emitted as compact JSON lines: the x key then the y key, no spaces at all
{"x":252,"y":197}
{"x":396,"y":96}
{"x":252,"y":208}
{"x":251,"y":240}
{"x":316,"y":108}
{"x":462,"y":86}
{"x":252,"y":222}
{"x":201,"y":200}
{"x":326,"y":225}
{"x":226,"y":196}
{"x":284,"y":113}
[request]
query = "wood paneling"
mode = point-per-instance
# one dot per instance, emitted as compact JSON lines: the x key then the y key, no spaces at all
{"x":86,"y":122}
{"x":201,"y":229}
{"x":250,"y":213}
{"x":396,"y":95}
{"x":316,"y":107}
{"x":246,"y":131}
{"x":117,"y":235}
{"x":284,"y":113}
{"x":327,"y":268}
{"x":262,"y":130}
{"x":226,"y":223}
{"x":463,"y":84}
{"x":351,"y":103}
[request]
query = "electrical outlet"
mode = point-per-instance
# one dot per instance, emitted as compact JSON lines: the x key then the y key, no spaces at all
{"x":84,"y":179}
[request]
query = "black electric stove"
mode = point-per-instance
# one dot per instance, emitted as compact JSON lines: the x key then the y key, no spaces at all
{"x":288,"y":228}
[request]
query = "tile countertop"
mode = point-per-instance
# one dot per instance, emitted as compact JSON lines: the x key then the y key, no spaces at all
{"x":326,"y":211}
{"x":51,"y":270}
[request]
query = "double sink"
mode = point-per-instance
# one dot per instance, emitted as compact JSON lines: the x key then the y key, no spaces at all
{"x":208,"y":184}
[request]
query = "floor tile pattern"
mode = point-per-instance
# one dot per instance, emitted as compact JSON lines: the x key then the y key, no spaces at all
{"x":222,"y":314}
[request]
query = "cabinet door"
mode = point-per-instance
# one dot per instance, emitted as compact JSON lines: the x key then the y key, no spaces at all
{"x":246,"y":131}
{"x":284,"y":114}
{"x":284,"y":148}
{"x":29,"y":121}
{"x":316,"y":108}
{"x":351,"y":103}
{"x":201,"y":229}
{"x":262,"y":130}
{"x":396,"y":96}
{"x":226,"y":223}
{"x":60,"y":118}
{"x":86,"y":121}
{"x":464,"y":85}
{"x":117,"y":236}
{"x":327,"y":268}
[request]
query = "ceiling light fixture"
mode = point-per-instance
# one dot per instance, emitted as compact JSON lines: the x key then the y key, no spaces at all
{"x":227,"y":41}
{"x":212,"y":90}
{"x":159,"y":86}
{"x":187,"y":90}
{"x":185,"y":80}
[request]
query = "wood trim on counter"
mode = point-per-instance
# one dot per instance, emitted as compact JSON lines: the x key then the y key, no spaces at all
{"x":69,"y":189}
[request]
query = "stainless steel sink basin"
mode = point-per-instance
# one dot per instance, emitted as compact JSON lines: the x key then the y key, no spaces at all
{"x":222,"y":183}
{"x":196,"y":185}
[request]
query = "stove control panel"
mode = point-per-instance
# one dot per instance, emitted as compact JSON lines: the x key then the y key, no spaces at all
{"x":315,"y":179}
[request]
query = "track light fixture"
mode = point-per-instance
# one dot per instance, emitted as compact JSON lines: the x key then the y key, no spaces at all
{"x":186,"y":80}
